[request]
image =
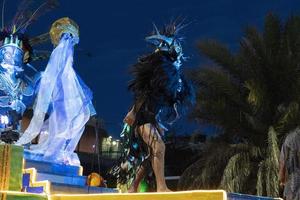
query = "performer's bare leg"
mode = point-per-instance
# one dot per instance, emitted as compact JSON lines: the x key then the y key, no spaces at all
{"x":152,"y":138}
{"x":136,"y":182}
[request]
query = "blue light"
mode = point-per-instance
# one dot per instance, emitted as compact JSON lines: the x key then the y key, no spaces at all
{"x":4,"y":119}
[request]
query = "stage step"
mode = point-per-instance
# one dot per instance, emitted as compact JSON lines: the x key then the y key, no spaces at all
{"x":57,"y":188}
{"x":63,"y":179}
{"x":53,"y":168}
{"x":29,"y":183}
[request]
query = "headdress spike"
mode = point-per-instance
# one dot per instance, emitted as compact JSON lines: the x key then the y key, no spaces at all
{"x":14,"y":29}
{"x":156,"y":29}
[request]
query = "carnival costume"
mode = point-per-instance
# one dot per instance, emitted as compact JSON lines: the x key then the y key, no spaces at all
{"x":159,"y":90}
{"x":18,"y":78}
{"x":64,"y":96}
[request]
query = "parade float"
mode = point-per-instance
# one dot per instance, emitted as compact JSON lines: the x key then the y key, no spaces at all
{"x":61,"y":102}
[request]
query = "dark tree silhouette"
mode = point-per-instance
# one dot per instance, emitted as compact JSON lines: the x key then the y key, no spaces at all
{"x":253,"y":95}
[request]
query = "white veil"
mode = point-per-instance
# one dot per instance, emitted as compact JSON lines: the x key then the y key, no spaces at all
{"x":64,"y":96}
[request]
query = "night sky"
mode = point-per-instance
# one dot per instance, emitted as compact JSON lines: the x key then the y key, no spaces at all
{"x":113,"y":32}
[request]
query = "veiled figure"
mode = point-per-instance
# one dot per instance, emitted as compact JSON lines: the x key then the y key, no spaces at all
{"x":64,"y":97}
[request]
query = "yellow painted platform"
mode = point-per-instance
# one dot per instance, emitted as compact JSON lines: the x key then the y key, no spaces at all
{"x":10,"y":195}
{"x":186,"y":195}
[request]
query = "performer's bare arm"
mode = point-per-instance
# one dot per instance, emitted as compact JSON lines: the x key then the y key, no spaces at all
{"x":130,"y":117}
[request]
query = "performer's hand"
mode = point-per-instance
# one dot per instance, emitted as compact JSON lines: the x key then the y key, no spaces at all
{"x":129,"y":120}
{"x":130,"y":117}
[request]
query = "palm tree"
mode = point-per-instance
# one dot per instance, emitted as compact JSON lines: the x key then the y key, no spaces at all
{"x":253,"y":95}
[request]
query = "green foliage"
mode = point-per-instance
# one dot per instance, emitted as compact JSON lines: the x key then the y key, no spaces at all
{"x":236,"y":172}
{"x":267,"y":175}
{"x":253,"y":96}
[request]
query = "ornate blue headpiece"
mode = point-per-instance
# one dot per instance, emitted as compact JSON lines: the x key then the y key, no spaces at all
{"x":11,"y":52}
{"x":13,"y":40}
{"x":168,"y":40}
{"x":162,"y":41}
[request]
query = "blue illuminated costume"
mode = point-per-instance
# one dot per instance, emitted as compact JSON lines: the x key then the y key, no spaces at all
{"x":159,"y":88}
{"x":16,"y":87}
{"x":18,"y":79}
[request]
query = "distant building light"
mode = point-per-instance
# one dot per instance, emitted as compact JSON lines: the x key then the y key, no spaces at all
{"x":114,"y":143}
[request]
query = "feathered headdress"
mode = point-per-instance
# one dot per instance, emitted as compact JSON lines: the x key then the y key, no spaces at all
{"x":168,"y":39}
{"x":26,"y":15}
{"x":17,"y":27}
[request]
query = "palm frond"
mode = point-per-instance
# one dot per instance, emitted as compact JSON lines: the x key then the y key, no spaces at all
{"x":236,"y":172}
{"x":256,"y":96}
{"x":272,"y":164}
{"x":289,"y":117}
{"x":221,"y":55}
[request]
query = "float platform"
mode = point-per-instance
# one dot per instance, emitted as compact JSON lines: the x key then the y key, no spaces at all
{"x":27,"y":179}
